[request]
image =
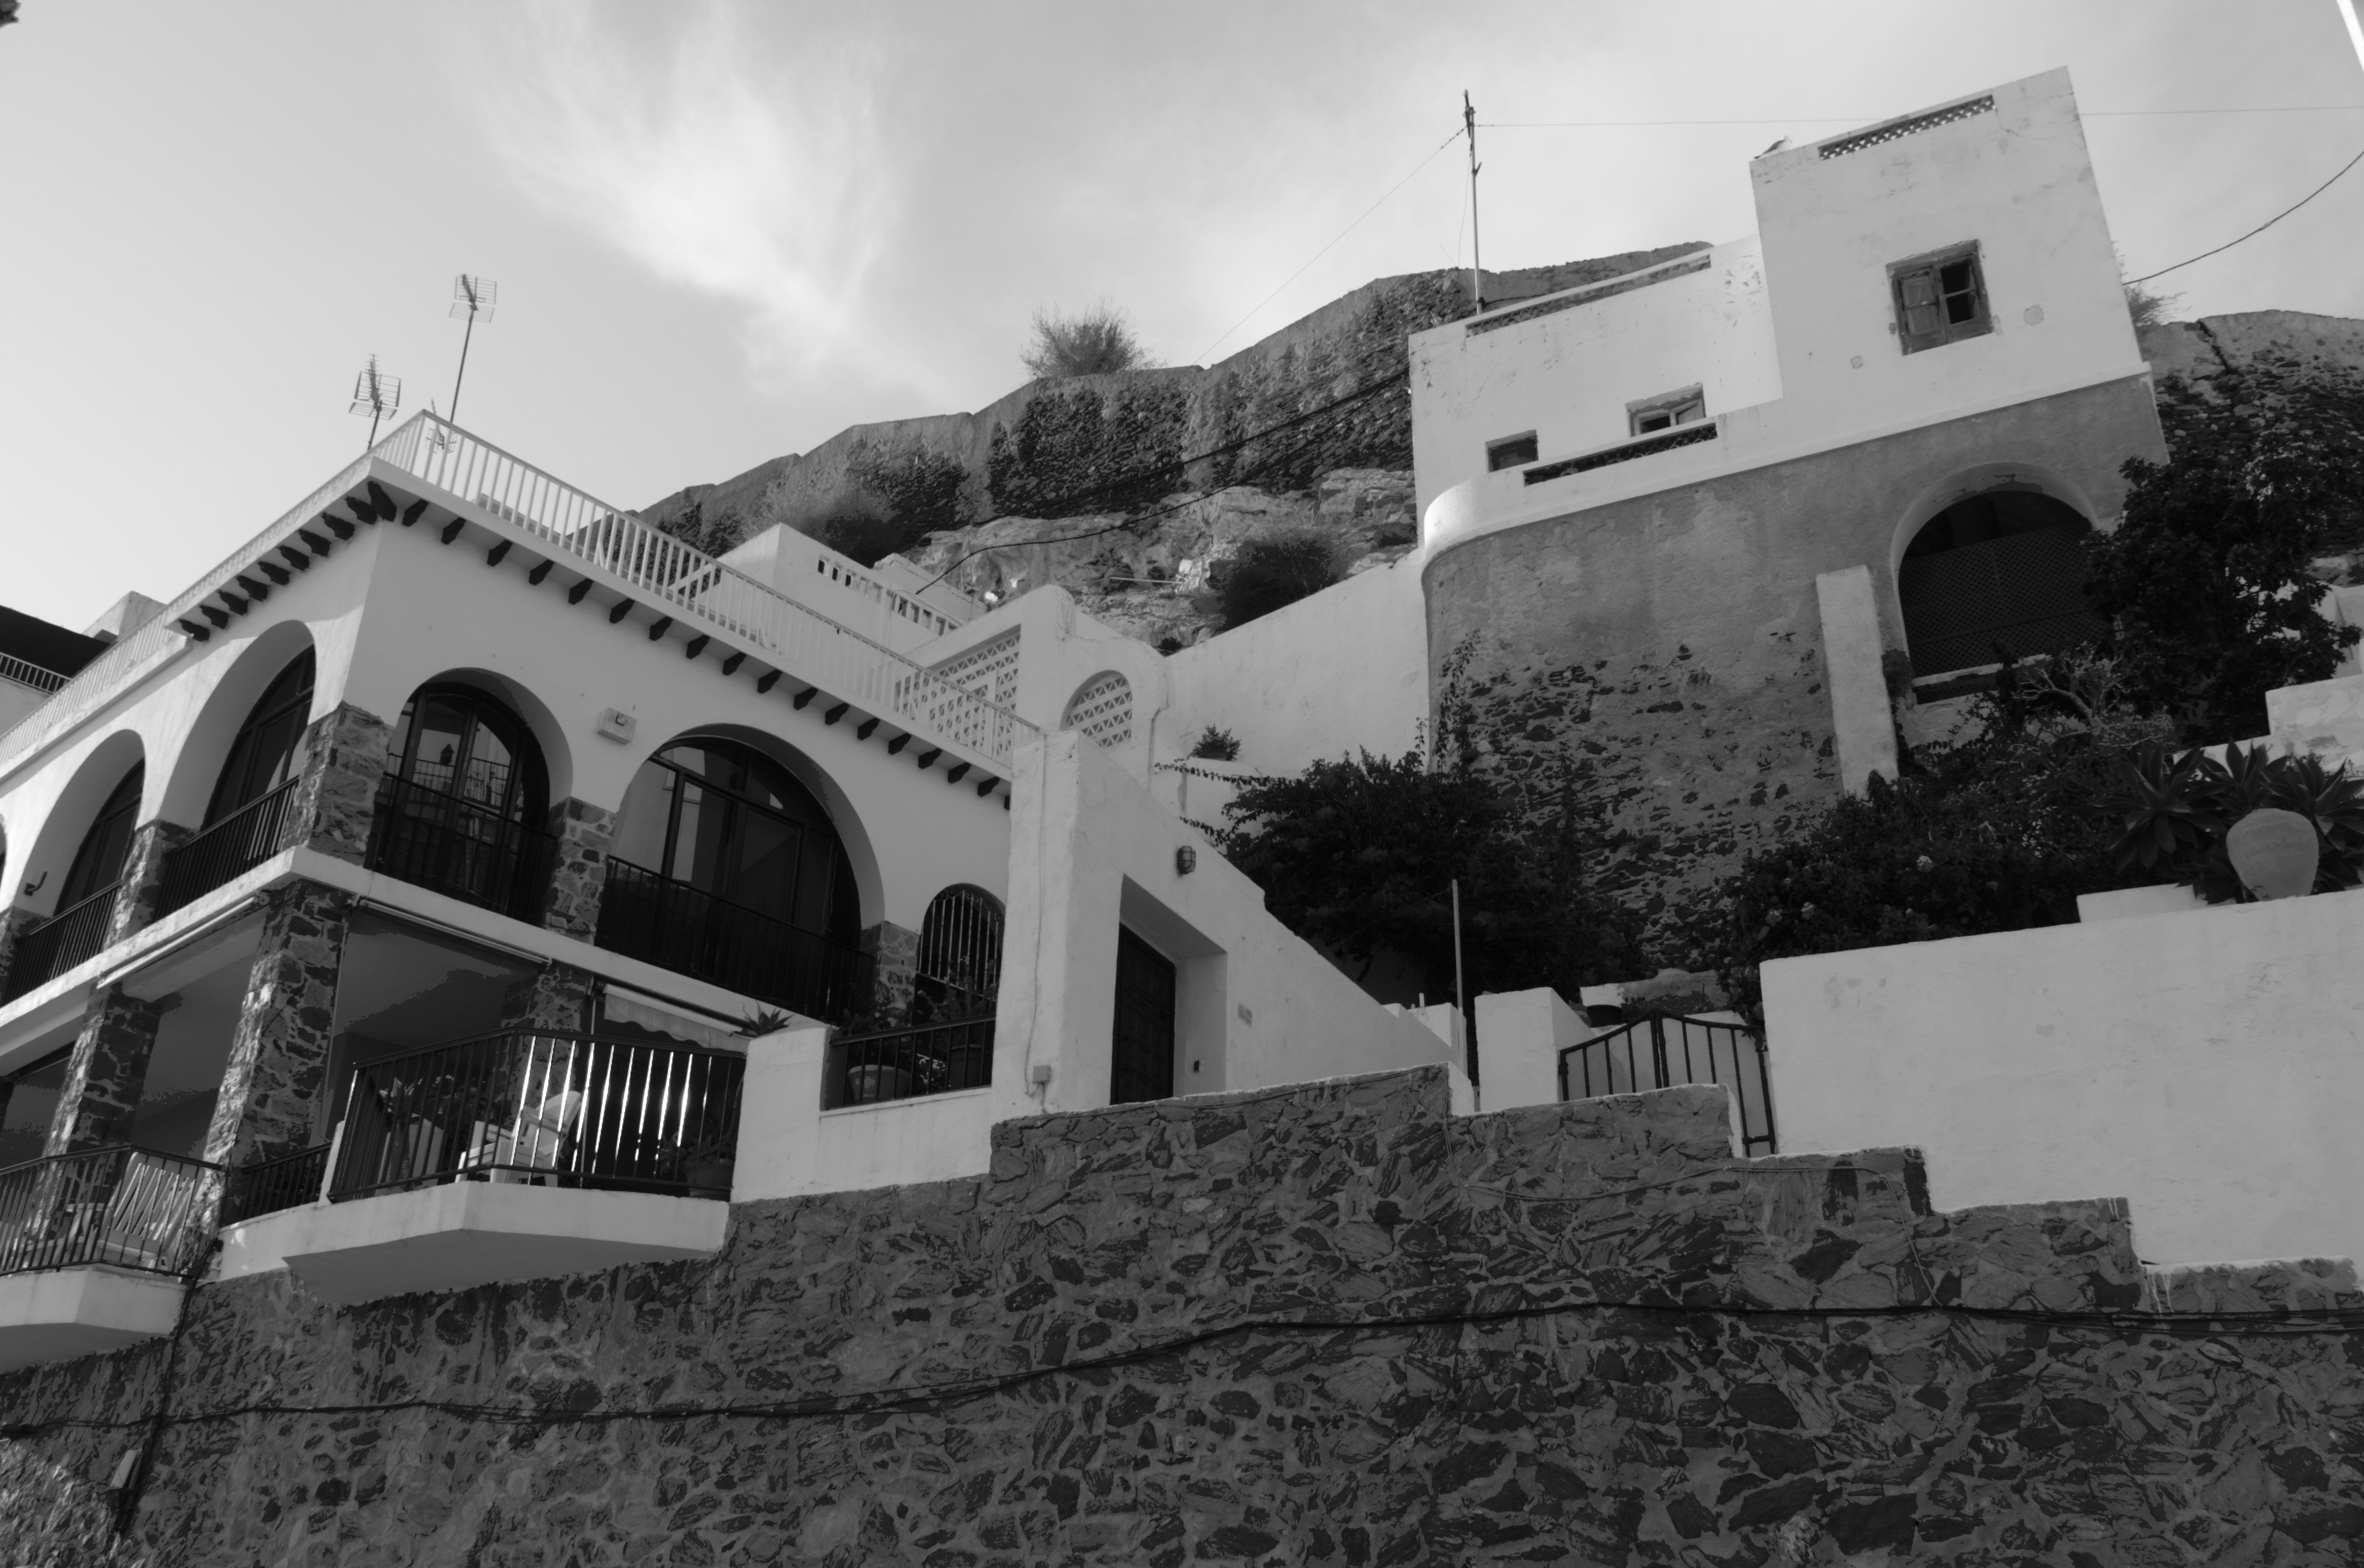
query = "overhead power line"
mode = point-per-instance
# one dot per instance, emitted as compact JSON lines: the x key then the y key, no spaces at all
{"x":2259,"y":229}
{"x":1868,"y":119}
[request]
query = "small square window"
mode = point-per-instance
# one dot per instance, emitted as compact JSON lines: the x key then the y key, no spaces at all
{"x":1940,"y":298}
{"x":1665,"y":411}
{"x":1510,"y":451}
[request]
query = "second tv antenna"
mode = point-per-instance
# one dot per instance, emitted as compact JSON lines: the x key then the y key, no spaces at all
{"x":470,"y":297}
{"x":376,"y":395}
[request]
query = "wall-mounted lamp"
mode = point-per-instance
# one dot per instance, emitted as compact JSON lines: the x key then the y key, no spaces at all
{"x":616,"y":724}
{"x":1186,"y":861}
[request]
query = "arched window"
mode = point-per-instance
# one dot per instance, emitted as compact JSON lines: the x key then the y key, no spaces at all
{"x":462,"y":808}
{"x":959,"y":968}
{"x":98,"y":861}
{"x":2006,"y":568}
{"x":262,"y":757}
{"x":727,"y":868}
{"x":1102,"y":709}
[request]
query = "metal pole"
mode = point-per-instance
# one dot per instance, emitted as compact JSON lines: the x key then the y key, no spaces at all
{"x":464,"y":338}
{"x":1460,"y":992}
{"x":1470,"y":124}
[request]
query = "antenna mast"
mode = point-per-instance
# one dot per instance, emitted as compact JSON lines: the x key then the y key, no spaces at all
{"x":1470,"y":124}
{"x":470,"y":297}
{"x":376,"y":395}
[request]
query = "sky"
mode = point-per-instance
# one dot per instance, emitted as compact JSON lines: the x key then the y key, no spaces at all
{"x":724,"y":230}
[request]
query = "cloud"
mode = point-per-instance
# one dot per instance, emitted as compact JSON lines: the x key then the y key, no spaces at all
{"x":719,"y":157}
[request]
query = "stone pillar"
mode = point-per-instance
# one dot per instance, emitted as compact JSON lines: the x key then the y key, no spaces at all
{"x":105,"y":1073}
{"x":578,"y":871}
{"x":344,"y":761}
{"x":277,"y":1078}
{"x":895,"y":951}
{"x":12,"y":926}
{"x":1860,"y":716}
{"x":556,"y":997}
{"x":143,"y":876}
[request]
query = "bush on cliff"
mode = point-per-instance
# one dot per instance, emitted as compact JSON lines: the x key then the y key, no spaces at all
{"x":1098,"y":342}
{"x":1273,"y":571}
{"x":897,"y":493}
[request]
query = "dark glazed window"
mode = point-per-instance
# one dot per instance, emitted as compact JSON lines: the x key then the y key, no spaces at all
{"x":459,"y":742}
{"x":1940,"y":298}
{"x":1687,"y":406}
{"x":729,"y":821}
{"x":98,"y":864}
{"x":263,"y":756}
{"x":2001,"y":568}
{"x":1510,"y":451}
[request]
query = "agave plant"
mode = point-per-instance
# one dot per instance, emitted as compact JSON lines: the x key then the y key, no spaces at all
{"x":2333,"y":799}
{"x":2170,"y":807}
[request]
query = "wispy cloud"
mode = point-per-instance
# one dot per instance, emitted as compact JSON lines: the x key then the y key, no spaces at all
{"x":717,"y":155}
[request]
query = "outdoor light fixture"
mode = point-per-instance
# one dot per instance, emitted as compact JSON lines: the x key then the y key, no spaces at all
{"x":2274,"y":852}
{"x":1186,"y":861}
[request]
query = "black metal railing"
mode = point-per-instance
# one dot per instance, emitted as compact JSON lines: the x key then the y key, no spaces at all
{"x":66,"y":939}
{"x":132,"y":1208}
{"x":555,"y":1110}
{"x":1661,"y":1052}
{"x":266,"y":1186}
{"x":231,"y":847}
{"x":449,"y":844}
{"x":903,"y":1064}
{"x":647,"y":916}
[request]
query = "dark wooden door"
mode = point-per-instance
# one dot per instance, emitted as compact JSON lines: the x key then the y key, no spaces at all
{"x":1141,"y":1055}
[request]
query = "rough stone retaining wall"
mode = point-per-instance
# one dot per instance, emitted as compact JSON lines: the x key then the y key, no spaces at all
{"x":1331,"y":1324}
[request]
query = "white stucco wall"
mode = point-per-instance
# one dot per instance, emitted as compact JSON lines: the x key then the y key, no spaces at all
{"x":1091,"y":851}
{"x":788,"y":1145}
{"x":880,"y":604}
{"x":1341,"y":671}
{"x":2203,"y":1065}
{"x":1567,"y":375}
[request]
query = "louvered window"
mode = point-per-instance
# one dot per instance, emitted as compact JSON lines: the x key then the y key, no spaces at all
{"x":1940,"y":298}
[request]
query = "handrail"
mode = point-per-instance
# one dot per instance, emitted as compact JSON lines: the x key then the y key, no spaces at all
{"x":130,"y":1208}
{"x":848,"y":665}
{"x":225,"y":849}
{"x":907,"y":1063}
{"x":267,"y":1186}
{"x":647,"y":914}
{"x":1703,"y":1051}
{"x":25,"y":673}
{"x":440,"y":840}
{"x":71,"y":936}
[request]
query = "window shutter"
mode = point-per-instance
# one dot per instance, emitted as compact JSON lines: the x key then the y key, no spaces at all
{"x":1918,"y":293}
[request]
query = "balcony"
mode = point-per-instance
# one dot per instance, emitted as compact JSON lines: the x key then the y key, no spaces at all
{"x":71,"y":936}
{"x":95,"y":1248}
{"x":228,"y":850}
{"x":449,"y":844}
{"x":904,"y":1064}
{"x":514,"y":1157}
{"x":647,"y":916}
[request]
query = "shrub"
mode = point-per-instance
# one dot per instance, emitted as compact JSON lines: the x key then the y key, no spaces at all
{"x":2206,"y":581}
{"x":1098,"y":342}
{"x":1216,"y":746}
{"x":1273,"y":571}
{"x":2173,"y":812}
{"x":920,"y":487}
{"x":858,"y":524}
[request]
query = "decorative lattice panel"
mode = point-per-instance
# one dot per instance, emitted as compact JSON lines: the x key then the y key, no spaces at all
{"x":1102,"y":708}
{"x":940,"y":701}
{"x":1880,"y":135}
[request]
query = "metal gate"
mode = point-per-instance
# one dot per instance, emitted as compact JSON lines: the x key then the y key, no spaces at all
{"x":1663,"y":1050}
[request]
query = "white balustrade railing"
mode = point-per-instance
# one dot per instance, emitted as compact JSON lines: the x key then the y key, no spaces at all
{"x":26,"y":673}
{"x":672,"y":577}
{"x":661,"y":570}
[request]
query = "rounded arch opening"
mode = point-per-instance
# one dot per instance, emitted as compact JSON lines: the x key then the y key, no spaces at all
{"x":102,"y":800}
{"x":958,"y":971}
{"x":205,"y":756}
{"x":1102,"y":709}
{"x":728,"y":866}
{"x":1995,"y":568}
{"x":465,"y":800}
{"x":541,"y":728}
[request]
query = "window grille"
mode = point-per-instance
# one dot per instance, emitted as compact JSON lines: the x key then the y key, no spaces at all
{"x":1896,"y":130}
{"x":1510,"y":451}
{"x":1102,"y":709}
{"x":1665,"y":411}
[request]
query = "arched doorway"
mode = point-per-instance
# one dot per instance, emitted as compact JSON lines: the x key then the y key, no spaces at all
{"x":2004,"y":568}
{"x":727,"y":868}
{"x":247,"y":818}
{"x":462,"y":805}
{"x":86,"y":903}
{"x":959,"y":968}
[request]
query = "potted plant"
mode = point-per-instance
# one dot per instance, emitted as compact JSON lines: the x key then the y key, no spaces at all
{"x":709,"y":1164}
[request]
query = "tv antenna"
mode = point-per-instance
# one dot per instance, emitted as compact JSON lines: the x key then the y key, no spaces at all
{"x":376,"y":395}
{"x":1470,"y":124}
{"x":470,"y":297}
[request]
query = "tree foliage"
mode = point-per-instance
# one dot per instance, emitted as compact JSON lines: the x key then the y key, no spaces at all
{"x":2205,"y":583}
{"x":1097,"y":341}
{"x":1273,"y":571}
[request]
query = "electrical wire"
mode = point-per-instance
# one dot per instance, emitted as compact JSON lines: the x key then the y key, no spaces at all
{"x":1342,"y":234}
{"x":2259,"y":229}
{"x":1869,"y":120}
{"x":953,"y":1392}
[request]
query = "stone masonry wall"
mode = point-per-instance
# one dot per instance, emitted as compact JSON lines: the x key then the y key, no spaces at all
{"x":344,"y":762}
{"x":1330,"y":1325}
{"x":585,"y":834}
{"x":273,"y":1089}
{"x":1667,"y":649}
